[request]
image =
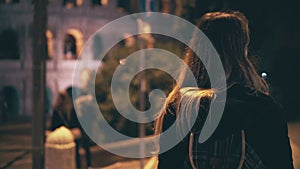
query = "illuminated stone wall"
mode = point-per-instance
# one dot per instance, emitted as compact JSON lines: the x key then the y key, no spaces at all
{"x":80,"y":22}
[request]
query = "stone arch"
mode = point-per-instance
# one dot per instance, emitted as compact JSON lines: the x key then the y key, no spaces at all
{"x":9,"y":45}
{"x":70,"y":3}
{"x":72,"y":44}
{"x":12,"y":100}
{"x":99,"y":2}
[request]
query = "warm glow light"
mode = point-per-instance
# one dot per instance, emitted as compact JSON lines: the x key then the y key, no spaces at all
{"x":79,"y":2}
{"x":144,"y":29}
{"x":129,"y":40}
{"x":85,"y":76}
{"x":49,"y":36}
{"x":122,"y":61}
{"x":69,"y":5}
{"x":104,"y":2}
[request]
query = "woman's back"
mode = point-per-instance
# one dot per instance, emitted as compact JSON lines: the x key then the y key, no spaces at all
{"x":248,"y":111}
{"x":262,"y":121}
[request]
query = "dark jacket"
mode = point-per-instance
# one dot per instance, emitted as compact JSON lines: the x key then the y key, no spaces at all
{"x":255,"y":113}
{"x":60,"y":119}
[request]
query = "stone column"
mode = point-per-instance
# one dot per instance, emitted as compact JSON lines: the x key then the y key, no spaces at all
{"x":60,"y":150}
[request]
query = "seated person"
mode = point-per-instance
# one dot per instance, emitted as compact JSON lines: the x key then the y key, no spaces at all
{"x":64,"y":115}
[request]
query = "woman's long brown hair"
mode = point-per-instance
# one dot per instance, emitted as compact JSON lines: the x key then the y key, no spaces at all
{"x":229,"y":33}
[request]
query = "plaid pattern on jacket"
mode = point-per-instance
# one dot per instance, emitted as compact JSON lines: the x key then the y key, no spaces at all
{"x":230,"y":153}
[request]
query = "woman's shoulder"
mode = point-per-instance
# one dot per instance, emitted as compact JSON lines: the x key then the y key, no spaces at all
{"x":244,"y":98}
{"x":243,"y":92}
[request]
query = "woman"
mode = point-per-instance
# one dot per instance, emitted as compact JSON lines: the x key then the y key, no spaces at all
{"x":250,"y":114}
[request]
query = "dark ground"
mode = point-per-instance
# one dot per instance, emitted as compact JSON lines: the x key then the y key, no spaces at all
{"x":15,"y":148}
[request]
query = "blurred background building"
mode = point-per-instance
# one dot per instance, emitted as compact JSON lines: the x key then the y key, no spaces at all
{"x":274,"y":36}
{"x":70,"y":24}
{"x":274,"y":47}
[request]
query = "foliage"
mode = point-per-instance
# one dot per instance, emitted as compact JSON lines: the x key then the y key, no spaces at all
{"x":155,"y":79}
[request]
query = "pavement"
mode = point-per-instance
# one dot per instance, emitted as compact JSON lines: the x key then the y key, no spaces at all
{"x":15,"y":150}
{"x":15,"y":145}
